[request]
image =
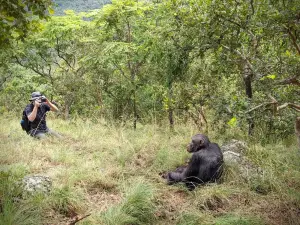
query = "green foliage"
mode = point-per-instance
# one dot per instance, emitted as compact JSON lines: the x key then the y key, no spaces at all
{"x":20,"y":17}
{"x":142,"y":61}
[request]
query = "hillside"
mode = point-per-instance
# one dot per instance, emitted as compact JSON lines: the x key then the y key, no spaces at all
{"x":112,"y":174}
{"x":78,"y":5}
{"x":133,"y":82}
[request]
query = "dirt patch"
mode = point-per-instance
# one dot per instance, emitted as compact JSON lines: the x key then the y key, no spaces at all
{"x":280,"y":213}
{"x":101,"y":201}
{"x":269,"y":208}
{"x":170,"y":203}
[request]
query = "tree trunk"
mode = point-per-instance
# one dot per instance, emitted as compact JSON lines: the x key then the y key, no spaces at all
{"x":170,"y":105}
{"x":248,"y":88}
{"x":297,"y":130}
{"x":68,"y":103}
{"x":134,"y":110}
{"x":67,"y":111}
{"x":203,"y":119}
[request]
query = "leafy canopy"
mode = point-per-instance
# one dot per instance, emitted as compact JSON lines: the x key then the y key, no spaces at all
{"x":18,"y":17}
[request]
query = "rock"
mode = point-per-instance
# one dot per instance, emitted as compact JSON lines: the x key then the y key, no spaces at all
{"x":234,"y":146}
{"x":232,"y":157}
{"x":233,"y":153}
{"x":37,"y":184}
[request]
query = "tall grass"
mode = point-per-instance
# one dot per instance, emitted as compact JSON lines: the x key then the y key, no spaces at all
{"x":14,"y":209}
{"x":137,"y":206}
{"x":113,"y":173}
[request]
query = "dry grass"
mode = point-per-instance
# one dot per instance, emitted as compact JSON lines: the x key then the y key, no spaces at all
{"x":95,"y":166}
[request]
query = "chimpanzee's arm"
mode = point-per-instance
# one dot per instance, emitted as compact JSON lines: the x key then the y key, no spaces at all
{"x":193,"y":167}
{"x":191,"y":170}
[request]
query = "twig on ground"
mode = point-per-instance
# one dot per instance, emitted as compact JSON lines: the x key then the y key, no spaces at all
{"x":78,"y":218}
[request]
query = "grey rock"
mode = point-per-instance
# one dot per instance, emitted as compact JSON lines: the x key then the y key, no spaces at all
{"x":37,"y":184}
{"x":234,"y":146}
{"x":232,"y":157}
{"x":233,"y":153}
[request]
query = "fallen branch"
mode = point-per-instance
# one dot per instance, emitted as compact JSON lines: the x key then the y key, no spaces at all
{"x":256,"y":107}
{"x":77,"y":219}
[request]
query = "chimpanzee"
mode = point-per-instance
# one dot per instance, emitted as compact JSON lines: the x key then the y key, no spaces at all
{"x":206,"y":164}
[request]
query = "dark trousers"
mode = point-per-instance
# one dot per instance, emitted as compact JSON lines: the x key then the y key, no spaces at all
{"x":41,"y":134}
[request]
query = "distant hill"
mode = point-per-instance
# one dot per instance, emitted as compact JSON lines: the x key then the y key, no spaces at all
{"x":78,"y":5}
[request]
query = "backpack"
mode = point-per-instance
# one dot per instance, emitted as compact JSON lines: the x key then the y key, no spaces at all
{"x":25,"y":123}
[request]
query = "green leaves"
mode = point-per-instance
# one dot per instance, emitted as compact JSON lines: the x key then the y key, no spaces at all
{"x":270,"y":76}
{"x":19,"y":17}
{"x":232,"y":122}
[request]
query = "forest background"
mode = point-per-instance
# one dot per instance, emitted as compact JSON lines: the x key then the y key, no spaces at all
{"x":152,"y":62}
{"x":226,"y":68}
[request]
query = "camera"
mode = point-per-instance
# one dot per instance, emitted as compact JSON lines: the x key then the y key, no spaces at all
{"x":43,"y":99}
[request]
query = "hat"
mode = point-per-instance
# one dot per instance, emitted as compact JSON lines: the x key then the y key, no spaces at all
{"x":35,"y":95}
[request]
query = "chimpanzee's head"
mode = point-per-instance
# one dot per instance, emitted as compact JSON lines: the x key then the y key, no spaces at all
{"x":199,"y":141}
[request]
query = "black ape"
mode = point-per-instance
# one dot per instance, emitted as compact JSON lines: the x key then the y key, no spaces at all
{"x":206,"y":164}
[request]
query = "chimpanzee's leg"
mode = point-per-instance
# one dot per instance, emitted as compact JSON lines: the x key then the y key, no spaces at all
{"x":174,"y":177}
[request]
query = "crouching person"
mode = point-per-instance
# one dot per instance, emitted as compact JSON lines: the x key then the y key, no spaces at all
{"x":36,"y":113}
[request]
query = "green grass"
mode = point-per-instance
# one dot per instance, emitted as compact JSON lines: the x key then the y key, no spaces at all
{"x":237,"y":220}
{"x":137,"y":206}
{"x":113,"y":173}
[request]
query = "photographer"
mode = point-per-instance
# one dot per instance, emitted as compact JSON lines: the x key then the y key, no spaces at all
{"x":36,"y":114}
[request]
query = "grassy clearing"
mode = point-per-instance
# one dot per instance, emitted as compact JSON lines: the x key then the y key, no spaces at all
{"x":113,"y":172}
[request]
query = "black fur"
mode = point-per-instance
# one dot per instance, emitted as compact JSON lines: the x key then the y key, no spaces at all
{"x":206,"y":164}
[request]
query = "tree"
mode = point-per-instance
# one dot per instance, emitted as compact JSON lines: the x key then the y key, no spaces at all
{"x":17,"y":18}
{"x":55,"y":54}
{"x":124,"y":48}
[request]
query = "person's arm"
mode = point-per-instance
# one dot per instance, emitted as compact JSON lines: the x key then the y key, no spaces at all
{"x":52,"y":106}
{"x":32,"y":115}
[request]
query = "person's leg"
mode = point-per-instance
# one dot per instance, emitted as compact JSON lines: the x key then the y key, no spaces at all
{"x":40,"y":135}
{"x":54,"y":133}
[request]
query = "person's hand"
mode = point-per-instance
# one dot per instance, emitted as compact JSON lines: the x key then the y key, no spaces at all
{"x":47,"y":101}
{"x":37,"y":103}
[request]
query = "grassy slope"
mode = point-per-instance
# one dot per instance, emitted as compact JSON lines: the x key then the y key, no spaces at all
{"x":113,"y":173}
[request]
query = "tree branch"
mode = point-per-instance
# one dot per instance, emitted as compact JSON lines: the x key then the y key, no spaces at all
{"x":294,"y":40}
{"x":120,"y":69}
{"x":4,"y":79}
{"x":263,"y":104}
{"x":278,"y":108}
{"x":244,"y":58}
{"x":291,"y":80}
{"x":36,"y":70}
{"x":59,"y":53}
{"x":55,"y":62}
